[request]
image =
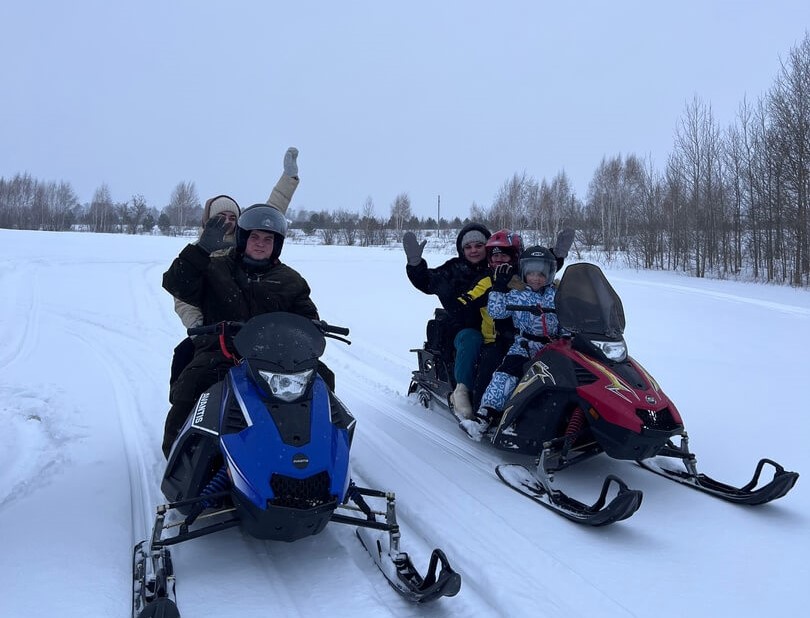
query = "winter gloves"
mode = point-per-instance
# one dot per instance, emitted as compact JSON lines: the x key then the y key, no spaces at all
{"x":501,"y":277}
{"x":213,"y":235}
{"x":413,"y":249}
{"x":291,"y":162}
{"x":563,"y":244}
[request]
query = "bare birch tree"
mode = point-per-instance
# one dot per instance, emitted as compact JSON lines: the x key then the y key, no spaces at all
{"x":789,"y":106}
{"x":101,"y":217}
{"x":401,"y":212}
{"x":183,"y":203}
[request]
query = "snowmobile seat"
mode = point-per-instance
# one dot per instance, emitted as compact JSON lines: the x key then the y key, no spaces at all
{"x":439,"y":336}
{"x":436,"y":358}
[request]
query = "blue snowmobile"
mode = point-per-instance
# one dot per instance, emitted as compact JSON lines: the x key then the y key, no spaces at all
{"x":267,"y":449}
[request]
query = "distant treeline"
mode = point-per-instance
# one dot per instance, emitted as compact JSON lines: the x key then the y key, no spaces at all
{"x":730,"y":202}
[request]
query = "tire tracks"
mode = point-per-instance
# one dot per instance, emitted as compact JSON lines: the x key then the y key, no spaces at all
{"x":21,"y":285}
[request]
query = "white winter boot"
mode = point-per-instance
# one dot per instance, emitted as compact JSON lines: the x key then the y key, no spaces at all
{"x":460,"y":398}
{"x":478,"y":425}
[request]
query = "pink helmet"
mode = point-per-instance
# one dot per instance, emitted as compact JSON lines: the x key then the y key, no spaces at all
{"x":505,"y":241}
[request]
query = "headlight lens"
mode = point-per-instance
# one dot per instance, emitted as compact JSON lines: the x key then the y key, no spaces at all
{"x":614,"y":350}
{"x":287,"y":386}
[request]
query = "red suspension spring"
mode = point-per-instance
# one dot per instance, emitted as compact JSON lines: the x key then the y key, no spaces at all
{"x":575,"y":424}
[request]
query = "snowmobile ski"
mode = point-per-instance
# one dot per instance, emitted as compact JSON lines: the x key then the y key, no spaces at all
{"x":781,"y":483}
{"x":400,"y":572}
{"x":381,"y":541}
{"x":600,"y":513}
{"x":153,"y":583}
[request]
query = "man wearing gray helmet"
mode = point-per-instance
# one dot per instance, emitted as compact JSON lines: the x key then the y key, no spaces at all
{"x":226,"y":208}
{"x":246,"y":280}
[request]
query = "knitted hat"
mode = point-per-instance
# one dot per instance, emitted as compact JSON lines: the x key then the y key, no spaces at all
{"x":471,"y":237}
{"x":478,"y":227}
{"x":221,"y":204}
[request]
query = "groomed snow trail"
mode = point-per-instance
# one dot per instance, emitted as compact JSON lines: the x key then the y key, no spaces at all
{"x":88,"y":336}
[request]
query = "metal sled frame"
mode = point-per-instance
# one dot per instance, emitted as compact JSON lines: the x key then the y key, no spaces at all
{"x":153,"y":569}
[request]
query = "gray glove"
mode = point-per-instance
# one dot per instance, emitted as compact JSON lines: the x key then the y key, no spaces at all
{"x":213,"y":236}
{"x":291,"y":161}
{"x":564,"y":241}
{"x":413,"y":249}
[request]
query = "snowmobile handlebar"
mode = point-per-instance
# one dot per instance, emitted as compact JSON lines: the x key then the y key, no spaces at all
{"x":535,"y":309}
{"x":227,"y":327}
{"x":331,"y":328}
{"x":213,"y":329}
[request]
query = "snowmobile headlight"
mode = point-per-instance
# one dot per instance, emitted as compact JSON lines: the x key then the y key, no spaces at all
{"x":613,"y":350}
{"x":287,"y":386}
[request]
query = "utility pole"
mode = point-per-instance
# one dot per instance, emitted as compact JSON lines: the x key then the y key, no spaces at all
{"x":439,"y":216}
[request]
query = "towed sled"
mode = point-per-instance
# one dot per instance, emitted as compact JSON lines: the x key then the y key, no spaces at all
{"x":267,"y":449}
{"x":582,"y":395}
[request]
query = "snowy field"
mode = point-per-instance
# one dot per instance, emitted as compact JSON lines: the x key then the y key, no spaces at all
{"x":88,"y":333}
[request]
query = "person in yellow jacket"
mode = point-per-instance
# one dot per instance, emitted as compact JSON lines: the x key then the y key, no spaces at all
{"x":503,"y":247}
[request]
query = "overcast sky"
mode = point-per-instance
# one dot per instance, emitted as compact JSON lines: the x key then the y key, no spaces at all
{"x":429,"y":98}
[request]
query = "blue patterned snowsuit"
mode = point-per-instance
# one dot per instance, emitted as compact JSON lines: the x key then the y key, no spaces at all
{"x":505,"y":379}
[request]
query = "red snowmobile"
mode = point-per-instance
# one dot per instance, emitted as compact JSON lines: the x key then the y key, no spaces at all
{"x":582,"y":395}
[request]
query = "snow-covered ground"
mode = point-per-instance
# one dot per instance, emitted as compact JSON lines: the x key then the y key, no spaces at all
{"x":87,"y":339}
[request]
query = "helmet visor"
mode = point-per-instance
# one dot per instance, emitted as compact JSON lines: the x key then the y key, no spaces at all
{"x":265,"y":218}
{"x":544,"y":266}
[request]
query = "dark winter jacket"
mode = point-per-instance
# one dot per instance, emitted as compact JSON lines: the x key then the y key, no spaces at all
{"x":451,"y":280}
{"x":225,"y":290}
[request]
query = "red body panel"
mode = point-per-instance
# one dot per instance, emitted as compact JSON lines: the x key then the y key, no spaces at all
{"x":611,"y":396}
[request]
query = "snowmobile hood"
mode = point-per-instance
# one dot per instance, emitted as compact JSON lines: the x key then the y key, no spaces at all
{"x":289,"y":341}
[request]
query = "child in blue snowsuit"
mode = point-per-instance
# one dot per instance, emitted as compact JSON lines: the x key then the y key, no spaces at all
{"x":537,"y":269}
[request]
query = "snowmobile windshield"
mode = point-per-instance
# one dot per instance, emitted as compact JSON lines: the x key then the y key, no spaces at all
{"x":286,"y":341}
{"x":586,"y":302}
